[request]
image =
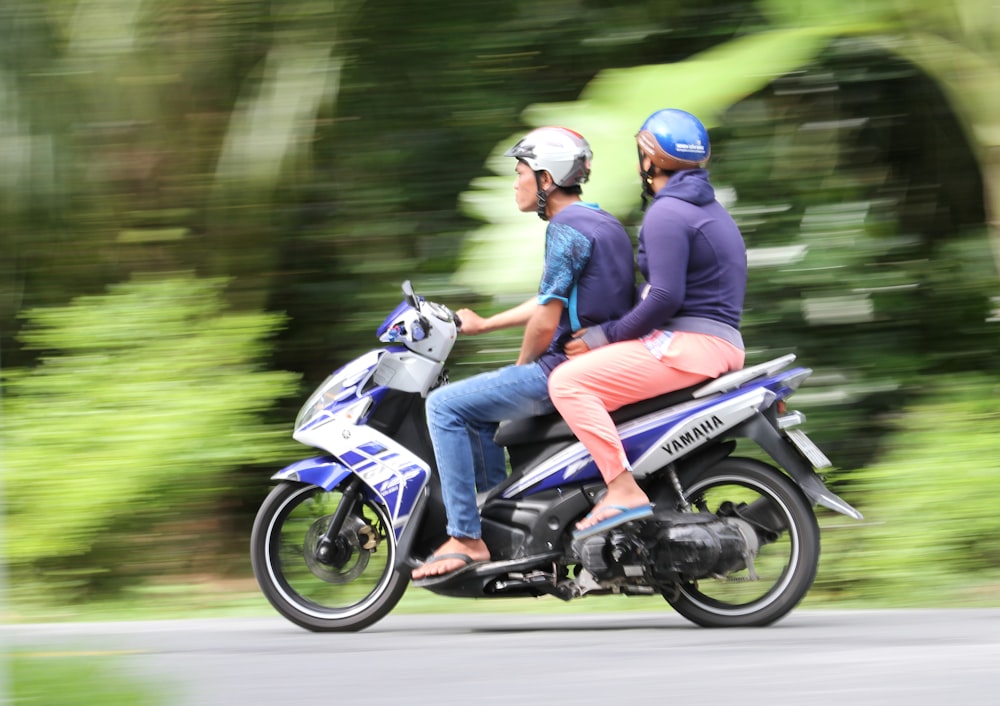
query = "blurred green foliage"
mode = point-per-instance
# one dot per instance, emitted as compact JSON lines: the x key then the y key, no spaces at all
{"x":869,"y":258}
{"x":78,"y":679}
{"x":301,"y":158}
{"x":142,"y":400}
{"x":930,"y":505}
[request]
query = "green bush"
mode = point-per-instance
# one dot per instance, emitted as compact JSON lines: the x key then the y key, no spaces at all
{"x":930,"y":505}
{"x":141,"y":401}
{"x":75,"y":679}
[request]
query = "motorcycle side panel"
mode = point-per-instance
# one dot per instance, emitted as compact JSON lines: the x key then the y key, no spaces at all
{"x":679,"y":434}
{"x":651,"y":441}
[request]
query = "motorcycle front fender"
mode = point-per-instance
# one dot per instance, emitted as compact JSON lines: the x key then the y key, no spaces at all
{"x":327,"y":473}
{"x":323,"y":471}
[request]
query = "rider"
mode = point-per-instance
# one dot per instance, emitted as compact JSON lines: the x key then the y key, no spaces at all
{"x":588,"y":278}
{"x":685,"y":326}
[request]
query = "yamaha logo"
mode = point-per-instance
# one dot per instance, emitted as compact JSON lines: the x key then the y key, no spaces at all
{"x":695,"y":434}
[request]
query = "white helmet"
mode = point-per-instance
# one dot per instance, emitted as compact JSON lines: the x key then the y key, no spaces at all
{"x":561,"y":152}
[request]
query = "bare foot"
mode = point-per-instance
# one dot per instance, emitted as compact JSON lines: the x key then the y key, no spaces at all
{"x":472,"y":549}
{"x":623,"y":492}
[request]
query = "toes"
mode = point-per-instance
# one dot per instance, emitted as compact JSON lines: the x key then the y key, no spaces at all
{"x":597,"y":515}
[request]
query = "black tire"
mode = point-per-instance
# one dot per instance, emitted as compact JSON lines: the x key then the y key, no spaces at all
{"x":787,"y":559}
{"x":348,"y":594}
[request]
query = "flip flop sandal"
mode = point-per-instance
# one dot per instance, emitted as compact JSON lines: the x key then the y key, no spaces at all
{"x":624,"y":514}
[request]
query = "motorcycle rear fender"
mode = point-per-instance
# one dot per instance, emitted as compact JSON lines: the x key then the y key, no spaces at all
{"x":767,"y":437}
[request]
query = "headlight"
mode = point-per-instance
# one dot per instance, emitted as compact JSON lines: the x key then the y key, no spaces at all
{"x":334,"y":391}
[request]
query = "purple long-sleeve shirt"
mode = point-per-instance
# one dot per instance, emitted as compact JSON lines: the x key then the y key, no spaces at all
{"x":694,"y":260}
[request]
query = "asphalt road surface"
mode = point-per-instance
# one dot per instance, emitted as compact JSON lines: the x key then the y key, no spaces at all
{"x":810,"y":658}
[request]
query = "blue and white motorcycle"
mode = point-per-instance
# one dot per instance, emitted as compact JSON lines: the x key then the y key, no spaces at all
{"x":733,"y":540}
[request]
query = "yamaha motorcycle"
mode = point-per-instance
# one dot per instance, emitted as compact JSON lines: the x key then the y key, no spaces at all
{"x":733,"y":540}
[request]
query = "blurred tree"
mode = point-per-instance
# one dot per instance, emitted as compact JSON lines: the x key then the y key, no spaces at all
{"x":312,"y":153}
{"x":956,"y":44}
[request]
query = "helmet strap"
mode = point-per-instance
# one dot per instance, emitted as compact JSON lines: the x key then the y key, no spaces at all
{"x":543,"y":198}
{"x":646,"y":175}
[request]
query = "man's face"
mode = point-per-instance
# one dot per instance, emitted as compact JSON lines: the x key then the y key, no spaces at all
{"x":525,"y":188}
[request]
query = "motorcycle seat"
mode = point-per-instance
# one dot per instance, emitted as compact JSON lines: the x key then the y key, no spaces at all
{"x":552,"y":427}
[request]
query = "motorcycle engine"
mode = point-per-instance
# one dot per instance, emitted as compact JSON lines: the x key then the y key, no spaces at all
{"x":615,"y":555}
{"x":672,"y":546}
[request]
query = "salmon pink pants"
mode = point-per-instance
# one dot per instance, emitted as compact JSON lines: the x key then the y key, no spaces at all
{"x":587,"y":388}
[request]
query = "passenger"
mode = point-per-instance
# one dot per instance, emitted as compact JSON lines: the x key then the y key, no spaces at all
{"x":684,"y":328}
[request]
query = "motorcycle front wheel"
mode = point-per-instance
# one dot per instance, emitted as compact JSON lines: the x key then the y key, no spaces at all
{"x":349,"y":586}
{"x":784,"y":567}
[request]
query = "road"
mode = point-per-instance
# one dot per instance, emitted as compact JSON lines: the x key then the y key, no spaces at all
{"x":810,"y":658}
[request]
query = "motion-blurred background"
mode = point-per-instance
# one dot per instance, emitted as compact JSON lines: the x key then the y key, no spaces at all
{"x":208,"y":205}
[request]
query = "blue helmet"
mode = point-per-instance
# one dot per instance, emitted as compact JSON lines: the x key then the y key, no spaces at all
{"x":674,"y":140}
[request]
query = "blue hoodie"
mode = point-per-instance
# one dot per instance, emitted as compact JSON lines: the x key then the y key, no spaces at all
{"x":694,"y":260}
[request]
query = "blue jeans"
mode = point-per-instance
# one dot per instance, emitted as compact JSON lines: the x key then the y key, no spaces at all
{"x":463,"y":417}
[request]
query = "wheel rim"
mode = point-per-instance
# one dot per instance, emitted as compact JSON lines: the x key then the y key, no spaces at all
{"x":775,"y":563}
{"x":364,"y":567}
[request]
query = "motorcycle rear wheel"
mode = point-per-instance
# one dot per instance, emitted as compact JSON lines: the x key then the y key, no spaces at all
{"x":349,"y":592}
{"x":785,"y":564}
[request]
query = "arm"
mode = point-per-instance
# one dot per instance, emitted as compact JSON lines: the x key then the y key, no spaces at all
{"x":664,"y":243}
{"x":567,"y":253}
{"x":658,"y":307}
{"x":474,"y":324}
{"x":539,"y":331}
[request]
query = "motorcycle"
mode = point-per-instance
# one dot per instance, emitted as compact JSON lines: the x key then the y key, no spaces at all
{"x":733,"y":541}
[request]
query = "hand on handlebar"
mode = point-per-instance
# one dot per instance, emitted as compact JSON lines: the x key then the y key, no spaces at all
{"x":471,"y":322}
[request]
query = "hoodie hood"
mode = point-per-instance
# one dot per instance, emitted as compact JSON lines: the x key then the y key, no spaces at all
{"x":691,"y":185}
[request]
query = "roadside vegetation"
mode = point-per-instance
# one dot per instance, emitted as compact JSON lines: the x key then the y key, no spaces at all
{"x":76,"y":678}
{"x":207,"y":206}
